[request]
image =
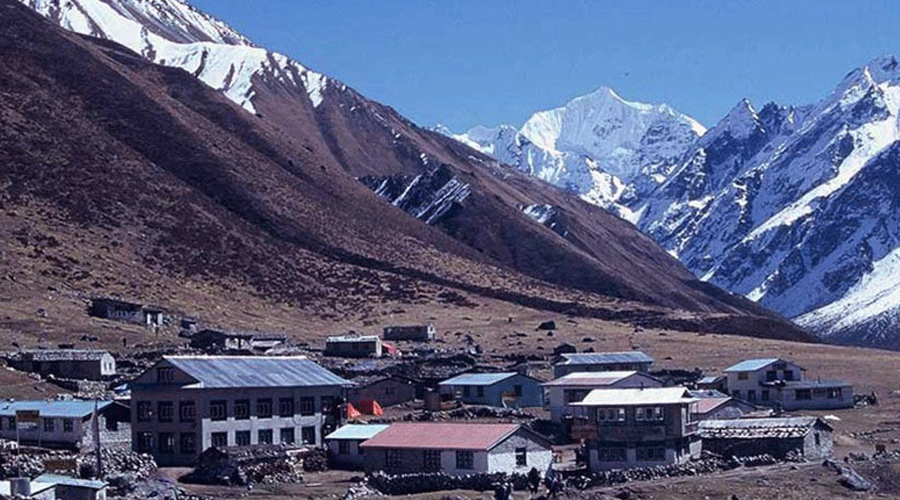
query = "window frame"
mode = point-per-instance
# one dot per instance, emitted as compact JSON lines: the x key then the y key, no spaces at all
{"x":465,"y":460}
{"x":215,"y":414}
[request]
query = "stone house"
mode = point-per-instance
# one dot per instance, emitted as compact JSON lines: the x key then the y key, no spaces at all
{"x":68,"y":424}
{"x":128,"y":312}
{"x":779,"y":383}
{"x":182,"y":405}
{"x":211,"y":341}
{"x":495,"y":389}
{"x":600,"y":362}
{"x":387,"y":391}
{"x":343,"y":445}
{"x":811,"y":437}
{"x":420,"y":333}
{"x":457,"y":449}
{"x":81,"y":364}
{"x":560,"y":393}
{"x":351,"y":346}
{"x":639,"y":427}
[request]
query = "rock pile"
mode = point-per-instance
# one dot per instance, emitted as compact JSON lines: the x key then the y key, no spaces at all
{"x":242,"y":465}
{"x":409,"y":484}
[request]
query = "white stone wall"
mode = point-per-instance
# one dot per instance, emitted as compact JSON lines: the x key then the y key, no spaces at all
{"x":503,"y":457}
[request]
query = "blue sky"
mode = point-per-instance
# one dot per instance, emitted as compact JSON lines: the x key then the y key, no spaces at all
{"x":469,"y":62}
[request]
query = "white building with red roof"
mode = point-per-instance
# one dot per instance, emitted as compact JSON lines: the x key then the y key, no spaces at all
{"x":457,"y":448}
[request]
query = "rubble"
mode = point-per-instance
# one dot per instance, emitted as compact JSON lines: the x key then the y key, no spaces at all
{"x":243,"y":465}
{"x":409,"y":484}
{"x":849,"y":477}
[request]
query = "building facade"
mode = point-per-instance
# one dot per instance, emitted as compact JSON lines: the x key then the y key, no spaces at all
{"x":809,"y":437}
{"x":343,"y":445}
{"x":640,"y":427}
{"x":560,"y":393}
{"x":81,"y":364}
{"x":185,"y":404}
{"x":780,"y":383}
{"x":567,"y":363}
{"x":419,"y":333}
{"x":387,"y":391}
{"x":457,"y":449}
{"x":510,"y":389}
{"x":68,"y":424}
{"x":348,"y":346}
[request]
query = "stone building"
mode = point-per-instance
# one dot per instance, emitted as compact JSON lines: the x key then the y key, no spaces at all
{"x":495,"y":389}
{"x":456,"y":449}
{"x":182,"y":405}
{"x":601,"y":362}
{"x":810,"y":437}
{"x":351,"y":346}
{"x":343,"y":444}
{"x":68,"y":424}
{"x":388,"y":391}
{"x":420,"y":333}
{"x":779,"y":383}
{"x":81,"y":364}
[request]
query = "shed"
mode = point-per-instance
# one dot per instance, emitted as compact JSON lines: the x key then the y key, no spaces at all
{"x":495,"y":389}
{"x":810,"y":437}
{"x":343,"y":444}
{"x":71,"y":488}
{"x":421,"y":333}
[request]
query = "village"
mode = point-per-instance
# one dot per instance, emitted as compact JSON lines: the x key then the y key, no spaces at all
{"x":400,"y":410}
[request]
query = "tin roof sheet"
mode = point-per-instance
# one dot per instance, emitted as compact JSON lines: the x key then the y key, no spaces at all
{"x":60,"y":409}
{"x":602,"y":358}
{"x":590,"y":379}
{"x":478,"y":378}
{"x":441,"y":436}
{"x":755,"y":428}
{"x":65,"y":354}
{"x":357,"y":431}
{"x":751,"y":365}
{"x":70,"y":481}
{"x":636,"y":397}
{"x":255,"y":371}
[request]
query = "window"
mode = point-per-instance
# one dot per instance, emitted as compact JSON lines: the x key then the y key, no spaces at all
{"x":286,"y":407}
{"x":69,"y":425}
{"x":166,"y":442}
{"x":344,"y":447}
{"x":771,"y":375}
{"x":287,"y":435}
{"x":802,"y":394}
{"x":611,"y":414}
{"x":188,"y":443}
{"x":521,"y":457}
{"x":650,"y":453}
{"x":48,"y":425}
{"x":789,"y":375}
{"x":764,"y":395}
{"x":518,"y":390}
{"x":751,"y":395}
{"x":219,"y":439}
{"x":307,"y":405}
{"x":12,"y":423}
{"x":611,"y":454}
{"x":264,"y":436}
{"x":818,"y":439}
{"x":186,"y":411}
{"x":743,"y":375}
{"x":242,"y":438}
{"x":465,"y":459}
{"x":144,"y":411}
{"x":242,"y":409}
{"x":432,"y":460}
{"x":264,"y":408}
{"x":466,"y":391}
{"x":308,"y":435}
{"x":165,"y":410}
{"x":736,"y":393}
{"x":574,"y":395}
{"x":393,"y":459}
{"x":479,"y":391}
{"x":165,"y":374}
{"x":648,"y":414}
{"x":327,"y":404}
{"x":834,"y":393}
{"x":217,"y":409}
{"x":144,"y":442}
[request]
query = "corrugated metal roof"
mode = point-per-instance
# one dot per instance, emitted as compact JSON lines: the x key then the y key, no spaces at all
{"x":815,"y":384}
{"x":441,"y":436}
{"x":357,"y":431}
{"x":602,"y":358}
{"x":636,"y":397}
{"x":69,"y":481}
{"x":710,"y":379}
{"x":751,"y":365}
{"x":255,"y":371}
{"x":65,"y":354}
{"x":478,"y":378}
{"x":706,"y":405}
{"x":60,"y":409}
{"x":590,"y":378}
{"x":353,"y":338}
{"x":755,"y":428}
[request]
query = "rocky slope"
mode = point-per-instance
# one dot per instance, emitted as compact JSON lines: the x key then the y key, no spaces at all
{"x":192,"y":188}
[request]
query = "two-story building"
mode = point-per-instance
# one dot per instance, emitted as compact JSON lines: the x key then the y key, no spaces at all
{"x":640,"y":427}
{"x":495,"y":389}
{"x":182,"y":405}
{"x":601,"y":362}
{"x":776,"y":382}
{"x":572,"y":388}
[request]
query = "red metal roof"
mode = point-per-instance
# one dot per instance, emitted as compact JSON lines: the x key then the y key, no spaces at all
{"x":443,"y":436}
{"x":706,"y":405}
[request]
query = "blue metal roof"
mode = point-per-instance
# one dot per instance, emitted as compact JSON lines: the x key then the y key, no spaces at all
{"x":60,"y":409}
{"x":255,"y":371}
{"x":478,"y":378}
{"x":602,"y":358}
{"x":357,"y":431}
{"x":70,"y":481}
{"x":751,"y":365}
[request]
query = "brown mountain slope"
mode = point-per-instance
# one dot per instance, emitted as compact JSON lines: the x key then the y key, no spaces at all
{"x":119,"y":176}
